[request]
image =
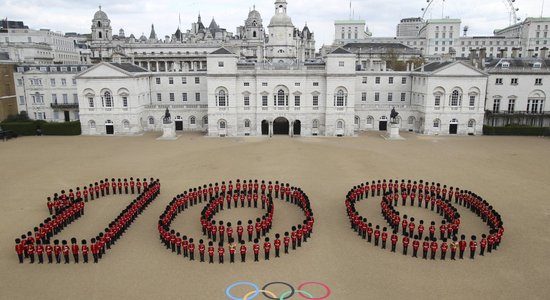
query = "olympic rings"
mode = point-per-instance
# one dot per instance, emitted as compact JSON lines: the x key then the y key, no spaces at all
{"x":279,"y":282}
{"x":270,"y":295}
{"x":317,"y":283}
{"x":229,"y":288}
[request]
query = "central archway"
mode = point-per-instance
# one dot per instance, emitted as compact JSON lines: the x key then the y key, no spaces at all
{"x":281,"y":126}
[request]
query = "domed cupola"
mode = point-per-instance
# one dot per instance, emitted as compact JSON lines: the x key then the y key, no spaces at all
{"x":101,"y":27}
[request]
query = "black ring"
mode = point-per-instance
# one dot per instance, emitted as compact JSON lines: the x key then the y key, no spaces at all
{"x":278,"y":282}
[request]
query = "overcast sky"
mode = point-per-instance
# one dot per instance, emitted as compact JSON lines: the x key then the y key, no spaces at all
{"x":382,"y":16}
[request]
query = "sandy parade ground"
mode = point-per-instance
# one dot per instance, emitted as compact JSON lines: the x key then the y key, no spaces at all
{"x":512,"y":173}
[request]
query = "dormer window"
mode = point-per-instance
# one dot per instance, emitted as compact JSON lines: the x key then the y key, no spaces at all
{"x":537,"y":65}
{"x":506,"y":65}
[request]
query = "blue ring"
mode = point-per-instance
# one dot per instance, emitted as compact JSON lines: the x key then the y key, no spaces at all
{"x":229,"y":288}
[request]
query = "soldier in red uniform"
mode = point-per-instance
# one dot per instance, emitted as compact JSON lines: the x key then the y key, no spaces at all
{"x":221,"y":252}
{"x":442,"y":230}
{"x":84,"y":248}
{"x":191,"y":249}
{"x":416,"y":245}
{"x":421,"y":229}
{"x":286,"y":241}
{"x":473,"y":247}
{"x":240,"y":231}
{"x":454,"y":246}
{"x":444,"y":248}
{"x":242,"y":250}
{"x":250,"y":230}
{"x":267,"y":248}
{"x":425,"y":248}
{"x":94,"y":249}
{"x":75,"y":249}
{"x":221,"y":231}
{"x":65,"y":249}
{"x":369,"y":232}
{"x":256,"y":250}
{"x":29,"y":249}
{"x":384,"y":237}
{"x":432,"y":230}
{"x":462,"y":246}
{"x":433,"y":247}
{"x":49,"y":251}
{"x":394,"y":240}
{"x":482,"y":244}
{"x":19,"y":249}
{"x":211,"y":252}
{"x":293,"y":237}
{"x":277,"y":244}
{"x":232,"y":248}
{"x":404,"y":224}
{"x":405,"y":242}
{"x":202,"y":249}
{"x":376,"y":235}
{"x":57,"y":251}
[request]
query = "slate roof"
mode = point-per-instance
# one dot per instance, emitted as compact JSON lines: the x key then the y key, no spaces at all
{"x":376,"y":45}
{"x":435,"y":66}
{"x":222,"y":51}
{"x":129,"y":68}
{"x":340,"y":50}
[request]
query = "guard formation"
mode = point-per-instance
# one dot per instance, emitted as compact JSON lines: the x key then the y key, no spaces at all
{"x":248,"y":236}
{"x":66,"y":208}
{"x":439,"y":238}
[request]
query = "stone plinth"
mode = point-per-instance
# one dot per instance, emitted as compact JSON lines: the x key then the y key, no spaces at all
{"x":392,"y":133}
{"x":168,"y":132}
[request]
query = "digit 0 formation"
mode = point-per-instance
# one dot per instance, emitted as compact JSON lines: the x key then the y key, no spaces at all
{"x":67,"y":208}
{"x":432,"y":196}
{"x":217,"y":197}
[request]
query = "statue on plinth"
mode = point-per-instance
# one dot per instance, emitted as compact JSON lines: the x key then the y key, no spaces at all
{"x":167,"y":119}
{"x":393,"y":116}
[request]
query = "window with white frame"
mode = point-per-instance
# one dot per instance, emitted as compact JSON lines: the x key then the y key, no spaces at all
{"x":91,"y":124}
{"x":364,"y":96}
{"x":390,"y":97}
{"x":340,"y":124}
{"x":126,"y":124}
{"x":222,"y":98}
{"x":390,"y":80}
{"x":340,"y":63}
{"x":455,"y":98}
{"x":538,"y":81}
{"x":377,"y":80}
{"x":198,"y":97}
{"x":63,"y":81}
{"x":315,"y":100}
{"x":315,"y":124}
{"x":54,"y":98}
{"x":436,"y":123}
{"x":297,"y":100}
{"x":65,"y":99}
{"x":246,"y":84}
{"x":151,"y":121}
{"x":75,"y":98}
{"x":157,"y":80}
{"x":437,"y":101}
{"x":511,"y":105}
{"x":281,"y":98}
{"x":124,"y":101}
{"x":498,"y":81}
{"x":496,"y":105}
{"x":197,"y":80}
{"x":247,"y":123}
{"x":264,"y":100}
{"x":52,"y":81}
{"x":472,"y":100}
{"x":91,"y":102}
{"x":22,"y":100}
{"x":107,"y":99}
{"x":471,"y":123}
{"x":184,"y":80}
{"x":184,"y":97}
{"x":246,"y":100}
{"x":403,"y":96}
{"x":316,"y":83}
{"x":40,"y":115}
{"x":170,"y":80}
{"x":514,"y":81}
{"x":377,"y":96}
{"x":403,"y":80}
{"x":192,"y":120}
{"x":364,"y":81}
{"x":159,"y":97}
{"x":172,"y":97}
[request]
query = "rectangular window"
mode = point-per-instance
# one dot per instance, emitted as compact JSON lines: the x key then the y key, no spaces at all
{"x":514,"y":81}
{"x":75,"y":98}
{"x":437,"y":100}
{"x":55,"y":115}
{"x":157,"y":80}
{"x":247,"y":84}
{"x":159,"y":97}
{"x":124,"y":101}
{"x":65,"y":99}
{"x":172,"y":97}
{"x":40,"y":115}
{"x":390,"y":80}
{"x":246,"y":100}
{"x":496,"y":105}
{"x":184,"y":97}
{"x":297,"y":101}
{"x":538,"y":81}
{"x":197,"y":96}
{"x":22,"y":100}
{"x":74,"y":81}
{"x":52,"y":82}
{"x":340,"y":63}
{"x":377,"y":80}
{"x":220,"y":64}
{"x":403,"y":96}
{"x":472,"y":101}
{"x":197,"y":80}
{"x":315,"y":100}
{"x":377,"y":96}
{"x":390,"y":96}
{"x":498,"y":81}
{"x":170,"y":80}
{"x":296,"y":84}
{"x":511,"y":105}
{"x":91,"y":102}
{"x":404,"y":80}
{"x":184,"y":80}
{"x":264,"y":100}
{"x":264,"y":83}
{"x":19,"y":82}
{"x":316,"y":84}
{"x":63,"y":81}
{"x":364,"y":80}
{"x":364,"y":96}
{"x":54,"y":99}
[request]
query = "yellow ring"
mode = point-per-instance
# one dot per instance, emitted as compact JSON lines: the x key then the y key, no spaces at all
{"x":259,"y":291}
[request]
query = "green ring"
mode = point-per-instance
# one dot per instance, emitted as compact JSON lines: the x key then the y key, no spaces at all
{"x":285,"y":294}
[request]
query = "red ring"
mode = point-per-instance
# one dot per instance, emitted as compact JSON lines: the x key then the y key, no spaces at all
{"x":317,"y":283}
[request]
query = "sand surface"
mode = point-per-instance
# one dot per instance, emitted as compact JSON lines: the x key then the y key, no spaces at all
{"x":512,"y":173}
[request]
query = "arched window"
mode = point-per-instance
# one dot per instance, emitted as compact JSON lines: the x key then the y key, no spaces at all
{"x":254,"y":24}
{"x":91,"y":124}
{"x":100,"y":35}
{"x":411,"y":120}
{"x":281,"y":98}
{"x":437,"y":123}
{"x":340,"y":124}
{"x":357,"y":120}
{"x":455,"y":98}
{"x":471,"y":123}
{"x":205,"y":120}
{"x":341,"y":98}
{"x":99,"y":24}
{"x":254,"y":34}
{"x":126,"y":124}
{"x":315,"y":124}
{"x":370,"y":120}
{"x":222,"y":124}
{"x":151,"y":121}
{"x":222,"y":98}
{"x":192,"y":120}
{"x":107,"y":99}
{"x":246,"y":123}
{"x":454,"y":121}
